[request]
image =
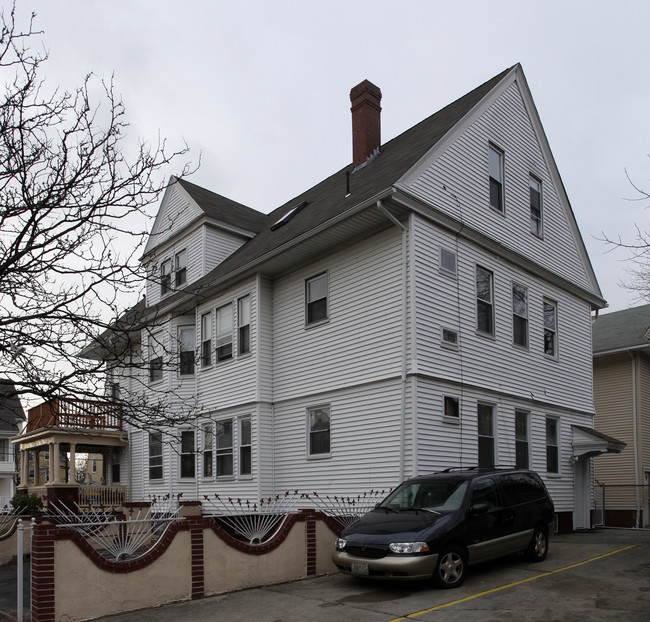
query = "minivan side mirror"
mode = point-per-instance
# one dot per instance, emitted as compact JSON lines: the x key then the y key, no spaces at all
{"x":479,"y":508}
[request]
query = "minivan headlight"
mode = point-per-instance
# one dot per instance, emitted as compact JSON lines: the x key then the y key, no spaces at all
{"x":340,"y":544}
{"x":405,"y":548}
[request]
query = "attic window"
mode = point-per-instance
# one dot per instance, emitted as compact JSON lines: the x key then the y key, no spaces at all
{"x":288,"y":216}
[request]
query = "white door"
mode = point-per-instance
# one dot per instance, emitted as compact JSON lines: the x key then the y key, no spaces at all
{"x":581,"y":494}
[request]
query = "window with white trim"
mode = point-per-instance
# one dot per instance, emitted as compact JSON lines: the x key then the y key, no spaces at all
{"x":165,"y":277}
{"x":535,"y":205}
{"x":451,"y":406}
{"x":520,"y":315}
{"x":495,"y":157}
{"x":522,"y":454}
{"x":208,"y":449}
{"x":316,"y":298}
{"x":244,"y":325}
{"x":319,"y":431}
{"x":550,"y":328}
{"x":484,"y":305}
{"x":155,"y":455}
{"x":188,"y":455}
{"x":224,"y":447}
{"x":155,"y":357}
{"x":450,"y":338}
{"x":552,"y":446}
{"x":448,"y":262}
{"x":224,"y":333}
{"x":486,"y":435}
{"x":180,"y":268}
{"x":186,"y":350}
{"x":206,"y":339}
{"x":245,"y":446}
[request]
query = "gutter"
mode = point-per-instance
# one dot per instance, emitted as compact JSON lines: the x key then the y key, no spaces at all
{"x":206,"y":289}
{"x":403,"y":378}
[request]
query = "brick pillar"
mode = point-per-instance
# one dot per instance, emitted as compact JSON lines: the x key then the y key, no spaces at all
{"x":43,"y":609}
{"x":310,"y":532}
{"x":196,"y":545}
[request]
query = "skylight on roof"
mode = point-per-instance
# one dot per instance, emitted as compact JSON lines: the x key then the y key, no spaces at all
{"x":288,"y":216}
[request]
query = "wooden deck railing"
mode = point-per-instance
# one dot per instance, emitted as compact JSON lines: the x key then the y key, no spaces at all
{"x":84,"y":414}
{"x":108,"y":496}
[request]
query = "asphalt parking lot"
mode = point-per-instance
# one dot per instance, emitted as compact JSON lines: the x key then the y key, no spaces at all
{"x":599,"y":575}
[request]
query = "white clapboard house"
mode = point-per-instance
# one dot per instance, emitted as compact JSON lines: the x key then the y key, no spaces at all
{"x":427,"y":306}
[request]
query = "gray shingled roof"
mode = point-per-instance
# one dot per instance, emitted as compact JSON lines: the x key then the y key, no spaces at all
{"x":621,"y":330}
{"x":328,"y":199}
{"x":10,"y":407}
{"x":223,"y":209}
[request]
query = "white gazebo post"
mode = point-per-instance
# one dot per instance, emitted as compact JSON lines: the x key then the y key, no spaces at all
{"x":72,"y":471}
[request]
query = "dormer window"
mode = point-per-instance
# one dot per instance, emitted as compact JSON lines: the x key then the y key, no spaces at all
{"x":180,"y":268}
{"x":165,"y":277}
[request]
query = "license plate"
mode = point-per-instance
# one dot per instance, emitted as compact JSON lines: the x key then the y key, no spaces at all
{"x":359,"y":568}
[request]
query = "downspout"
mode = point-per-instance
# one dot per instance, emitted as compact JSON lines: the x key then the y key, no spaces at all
{"x":402,"y":228}
{"x":634,"y":436}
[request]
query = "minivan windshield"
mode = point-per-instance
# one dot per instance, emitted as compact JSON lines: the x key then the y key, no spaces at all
{"x":433,"y":496}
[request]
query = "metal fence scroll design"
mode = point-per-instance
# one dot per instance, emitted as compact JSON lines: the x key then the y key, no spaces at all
{"x":116,"y":538}
{"x":253,"y":522}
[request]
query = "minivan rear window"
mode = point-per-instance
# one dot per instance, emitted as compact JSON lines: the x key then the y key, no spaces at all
{"x":522,"y":488}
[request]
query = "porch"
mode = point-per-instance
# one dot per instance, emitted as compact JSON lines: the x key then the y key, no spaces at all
{"x":70,"y":451}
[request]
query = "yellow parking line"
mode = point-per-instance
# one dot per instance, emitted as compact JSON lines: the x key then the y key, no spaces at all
{"x":509,"y":585}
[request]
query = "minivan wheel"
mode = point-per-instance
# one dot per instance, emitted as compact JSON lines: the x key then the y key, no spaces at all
{"x":538,"y":547}
{"x":451,"y":568}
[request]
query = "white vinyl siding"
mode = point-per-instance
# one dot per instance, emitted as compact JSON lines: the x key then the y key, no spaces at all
{"x":362,"y":342}
{"x":507,"y":123}
{"x":444,"y":303}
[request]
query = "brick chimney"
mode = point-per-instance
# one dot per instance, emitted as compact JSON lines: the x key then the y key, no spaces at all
{"x":366,"y":113}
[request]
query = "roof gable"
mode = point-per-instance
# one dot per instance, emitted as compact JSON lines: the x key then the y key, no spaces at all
{"x":184,"y":203}
{"x":453,"y":176}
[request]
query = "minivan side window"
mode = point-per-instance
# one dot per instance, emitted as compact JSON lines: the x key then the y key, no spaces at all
{"x":485,"y":491}
{"x":521,"y":488}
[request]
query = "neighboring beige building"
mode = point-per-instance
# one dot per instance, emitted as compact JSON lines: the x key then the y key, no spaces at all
{"x":621,"y":349}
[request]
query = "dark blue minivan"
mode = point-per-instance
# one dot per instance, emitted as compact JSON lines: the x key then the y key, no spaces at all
{"x":438,"y":525}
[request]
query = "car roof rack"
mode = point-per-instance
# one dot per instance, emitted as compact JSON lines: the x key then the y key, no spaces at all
{"x":494,"y":467}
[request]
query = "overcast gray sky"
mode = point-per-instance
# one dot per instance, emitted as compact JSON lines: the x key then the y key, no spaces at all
{"x":261,"y":88}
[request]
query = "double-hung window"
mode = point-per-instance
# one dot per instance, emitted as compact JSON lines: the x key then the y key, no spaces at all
{"x":552,"y":446}
{"x":495,"y":157}
{"x":206,"y":339}
{"x":165,"y":277}
{"x":155,"y":357}
{"x":316,"y":298}
{"x":155,"y":455}
{"x":319,"y":431}
{"x":520,"y":315}
{"x":521,"y":439}
{"x":188,"y":458}
{"x":550,"y":328}
{"x":485,"y":435}
{"x":186,"y":339}
{"x":224,"y":333}
{"x":180,"y":268}
{"x":244,"y":325}
{"x":484,"y":304}
{"x":245,"y":446}
{"x":224,"y":444}
{"x":535,"y":206}
{"x":208,"y":449}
